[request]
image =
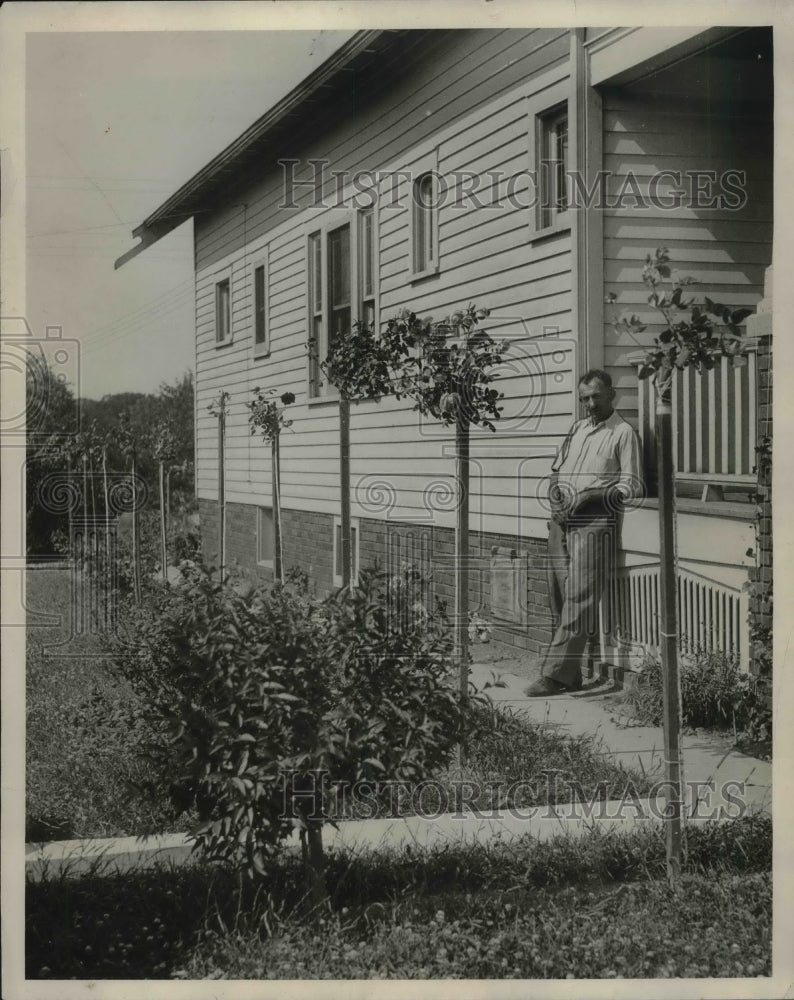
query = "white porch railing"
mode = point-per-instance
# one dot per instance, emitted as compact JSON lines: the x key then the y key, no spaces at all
{"x":714,"y":421}
{"x":713,"y":604}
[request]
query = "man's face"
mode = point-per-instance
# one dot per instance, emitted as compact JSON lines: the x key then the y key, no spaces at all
{"x":596,"y":399}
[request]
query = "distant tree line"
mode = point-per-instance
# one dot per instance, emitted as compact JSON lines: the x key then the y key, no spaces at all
{"x":91,"y":443}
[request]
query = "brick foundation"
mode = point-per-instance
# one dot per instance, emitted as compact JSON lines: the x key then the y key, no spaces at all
{"x":308,"y":545}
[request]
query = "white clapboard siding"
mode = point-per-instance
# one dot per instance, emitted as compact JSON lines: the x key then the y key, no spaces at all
{"x":725,"y":249}
{"x":484,"y":257}
{"x":434,"y":86}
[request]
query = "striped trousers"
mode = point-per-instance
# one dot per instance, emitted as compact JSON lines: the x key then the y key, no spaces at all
{"x":581,"y":561}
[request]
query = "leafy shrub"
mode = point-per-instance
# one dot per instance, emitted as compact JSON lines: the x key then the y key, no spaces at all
{"x":89,"y":737}
{"x":714,"y":692}
{"x":266,"y":689}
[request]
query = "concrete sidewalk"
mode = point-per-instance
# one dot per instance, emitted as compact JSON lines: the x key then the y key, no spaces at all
{"x":596,"y":711}
{"x":719,"y":783}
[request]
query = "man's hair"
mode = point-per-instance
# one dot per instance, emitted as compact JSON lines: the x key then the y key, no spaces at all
{"x":596,"y":375}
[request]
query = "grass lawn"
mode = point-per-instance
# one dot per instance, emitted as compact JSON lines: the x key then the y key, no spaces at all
{"x":597,"y":907}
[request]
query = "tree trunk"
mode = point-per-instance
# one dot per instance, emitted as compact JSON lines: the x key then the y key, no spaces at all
{"x":136,"y":552}
{"x":108,"y":569}
{"x":278,"y":552}
{"x":462,"y":560}
{"x":163,"y":543}
{"x":671,"y":685}
{"x":344,"y":491}
{"x":315,"y":868}
{"x":221,"y":493}
{"x":167,"y":502}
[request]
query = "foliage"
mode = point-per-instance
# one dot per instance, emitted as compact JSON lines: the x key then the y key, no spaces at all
{"x":265,"y":414}
{"x":149,"y":551}
{"x":425,"y":912}
{"x":714,"y":692}
{"x":710,"y":331}
{"x":89,"y":738}
{"x":361,"y":364}
{"x":263,"y":689}
{"x":446,"y":368}
{"x":152,"y":426}
{"x":51,"y":407}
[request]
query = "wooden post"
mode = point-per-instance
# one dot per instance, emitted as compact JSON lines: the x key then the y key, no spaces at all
{"x":344,"y":492}
{"x":668,"y":632}
{"x":278,"y":555}
{"x":221,"y":489}
{"x":136,"y":552}
{"x":107,"y":501}
{"x":163,"y":545}
{"x":167,"y":501}
{"x":462,"y":554}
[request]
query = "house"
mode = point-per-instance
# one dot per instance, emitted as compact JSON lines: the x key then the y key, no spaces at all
{"x":529,"y":171}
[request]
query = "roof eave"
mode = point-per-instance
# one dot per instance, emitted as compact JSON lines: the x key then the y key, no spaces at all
{"x":182,"y":204}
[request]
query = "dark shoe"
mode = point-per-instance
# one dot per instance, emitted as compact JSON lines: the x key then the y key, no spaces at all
{"x":543,"y":687}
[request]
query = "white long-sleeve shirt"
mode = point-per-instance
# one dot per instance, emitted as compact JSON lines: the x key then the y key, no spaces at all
{"x":600,"y":455}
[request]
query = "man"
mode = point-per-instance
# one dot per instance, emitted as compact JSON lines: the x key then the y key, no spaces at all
{"x":596,"y":469}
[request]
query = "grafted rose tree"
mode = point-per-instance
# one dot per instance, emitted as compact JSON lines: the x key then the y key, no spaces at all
{"x":447,"y":368}
{"x":267,"y":417}
{"x":164,"y":451}
{"x":695,"y":335}
{"x":360,"y":365}
{"x":219,"y":408}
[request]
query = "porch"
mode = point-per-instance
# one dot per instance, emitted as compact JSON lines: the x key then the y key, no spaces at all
{"x":719,"y":418}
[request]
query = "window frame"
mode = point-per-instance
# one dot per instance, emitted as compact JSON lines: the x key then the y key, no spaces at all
{"x":265,"y":563}
{"x":222,"y":277}
{"x":355,"y":531}
{"x":261,"y":349}
{"x":420,"y":171}
{"x":320,"y":313}
{"x":545,"y":113}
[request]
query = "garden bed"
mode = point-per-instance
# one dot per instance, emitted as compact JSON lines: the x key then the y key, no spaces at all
{"x":91,"y":773}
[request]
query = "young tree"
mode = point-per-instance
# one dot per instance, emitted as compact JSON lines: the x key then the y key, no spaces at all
{"x":219,"y":408}
{"x":360,"y":365}
{"x":164,"y":449}
{"x":448,"y":369}
{"x":267,"y":417}
{"x":695,"y":336}
{"x":129,"y":449}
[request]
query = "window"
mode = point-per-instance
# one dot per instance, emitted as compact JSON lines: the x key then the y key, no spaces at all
{"x":338,"y":551}
{"x":339,"y":298}
{"x":316,"y":337}
{"x":366,"y":256}
{"x":552,"y":167}
{"x":261,"y":324}
{"x":424,"y":216}
{"x":264,"y":536}
{"x":223,"y":311}
{"x":342,"y":279}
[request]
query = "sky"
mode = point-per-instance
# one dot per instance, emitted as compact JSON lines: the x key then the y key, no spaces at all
{"x":115,"y":123}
